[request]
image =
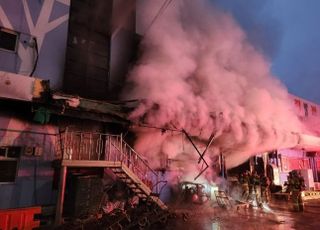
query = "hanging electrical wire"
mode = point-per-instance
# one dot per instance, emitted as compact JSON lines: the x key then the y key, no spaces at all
{"x":164,"y":6}
{"x":37,"y":57}
{"x":163,"y":129}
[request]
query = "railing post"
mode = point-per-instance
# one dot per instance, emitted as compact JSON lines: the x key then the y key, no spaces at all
{"x":71,"y":144}
{"x":81,"y":147}
{"x":109,"y":147}
{"x":62,"y":186}
{"x":130,"y":163}
{"x":64,"y":145}
{"x":99,"y":147}
{"x":90,"y":146}
{"x":61,"y":143}
{"x":121,"y":150}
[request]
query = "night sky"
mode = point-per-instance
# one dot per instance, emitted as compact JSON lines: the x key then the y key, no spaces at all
{"x":288,"y":33}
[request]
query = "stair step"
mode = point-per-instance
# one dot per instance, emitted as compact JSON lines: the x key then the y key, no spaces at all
{"x":116,"y":169}
{"x":122,"y":177}
{"x":155,"y":194}
{"x":142,"y":195}
{"x":137,"y":186}
{"x":139,"y":193}
{"x":132,"y":186}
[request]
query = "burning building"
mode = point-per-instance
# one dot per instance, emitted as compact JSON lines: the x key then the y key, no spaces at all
{"x":196,"y":90}
{"x":213,"y":83}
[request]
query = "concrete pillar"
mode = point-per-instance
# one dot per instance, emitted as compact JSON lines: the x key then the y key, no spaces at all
{"x":62,"y":187}
{"x":265,"y":159}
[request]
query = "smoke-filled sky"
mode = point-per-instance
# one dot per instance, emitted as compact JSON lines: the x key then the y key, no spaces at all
{"x":287,"y":31}
{"x":199,"y":71}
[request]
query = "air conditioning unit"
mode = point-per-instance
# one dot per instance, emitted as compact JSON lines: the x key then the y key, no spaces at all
{"x":33,"y":151}
{"x":28,"y":151}
{"x":38,"y":151}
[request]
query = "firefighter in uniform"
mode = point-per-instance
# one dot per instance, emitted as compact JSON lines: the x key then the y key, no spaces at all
{"x":265,"y":192}
{"x":302,"y":183}
{"x":296,"y":184}
{"x":290,"y":183}
{"x":244,"y":181}
{"x":251,"y":185}
{"x":255,"y":184}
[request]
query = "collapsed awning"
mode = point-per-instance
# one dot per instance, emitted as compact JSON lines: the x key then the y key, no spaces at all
{"x":70,"y":105}
{"x":44,"y":102}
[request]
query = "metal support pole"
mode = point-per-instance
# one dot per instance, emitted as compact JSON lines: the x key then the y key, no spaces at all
{"x":62,"y":186}
{"x":200,"y":155}
{"x":195,"y":147}
{"x":207,"y":147}
{"x":222,"y":169}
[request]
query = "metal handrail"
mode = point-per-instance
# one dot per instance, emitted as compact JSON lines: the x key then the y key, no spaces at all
{"x":129,"y":162}
{"x":132,"y":160}
{"x":92,"y":146}
{"x":139,"y":156}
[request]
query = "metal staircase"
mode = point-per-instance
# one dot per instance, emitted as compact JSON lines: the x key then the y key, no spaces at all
{"x":81,"y":149}
{"x":142,"y":190}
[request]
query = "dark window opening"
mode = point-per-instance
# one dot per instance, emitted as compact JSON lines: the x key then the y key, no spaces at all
{"x":8,"y":39}
{"x":8,"y":171}
{"x":9,"y":158}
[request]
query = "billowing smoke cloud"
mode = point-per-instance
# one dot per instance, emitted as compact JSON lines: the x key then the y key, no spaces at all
{"x":199,"y":73}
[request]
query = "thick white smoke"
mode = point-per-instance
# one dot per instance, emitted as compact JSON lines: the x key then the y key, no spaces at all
{"x":199,"y":73}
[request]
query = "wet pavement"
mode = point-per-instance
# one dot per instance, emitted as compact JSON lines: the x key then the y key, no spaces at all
{"x":277,"y":216}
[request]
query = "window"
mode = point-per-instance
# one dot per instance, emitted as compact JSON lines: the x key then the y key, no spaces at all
{"x":8,"y":39}
{"x":9,"y":158}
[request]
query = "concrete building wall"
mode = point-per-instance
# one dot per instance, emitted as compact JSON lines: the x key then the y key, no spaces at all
{"x":33,"y":184}
{"x":308,"y":112}
{"x":45,"y":20}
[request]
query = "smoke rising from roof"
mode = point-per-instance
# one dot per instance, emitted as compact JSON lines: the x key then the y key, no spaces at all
{"x":198,"y":72}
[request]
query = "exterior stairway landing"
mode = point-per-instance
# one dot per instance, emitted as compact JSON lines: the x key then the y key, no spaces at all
{"x":79,"y":149}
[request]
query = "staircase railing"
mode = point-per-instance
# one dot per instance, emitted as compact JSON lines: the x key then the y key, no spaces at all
{"x":77,"y":145}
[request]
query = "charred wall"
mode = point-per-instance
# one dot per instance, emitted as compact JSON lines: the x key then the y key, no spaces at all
{"x":88,"y":48}
{"x":100,"y":47}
